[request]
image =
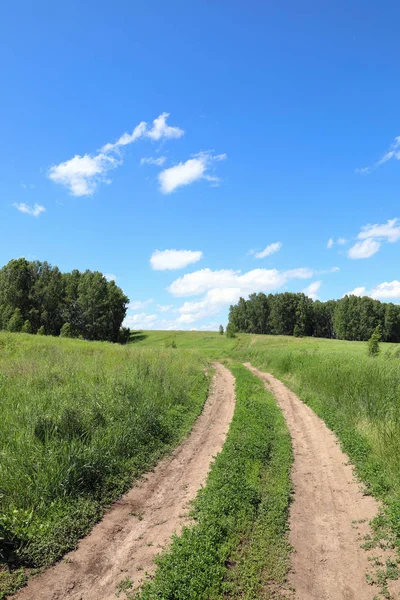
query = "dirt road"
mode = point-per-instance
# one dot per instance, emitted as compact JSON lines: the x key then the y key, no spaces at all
{"x":137,"y":527}
{"x":328,"y":563}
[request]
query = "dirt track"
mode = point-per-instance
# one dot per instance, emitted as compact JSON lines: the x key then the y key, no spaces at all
{"x":135,"y":529}
{"x":328,"y":563}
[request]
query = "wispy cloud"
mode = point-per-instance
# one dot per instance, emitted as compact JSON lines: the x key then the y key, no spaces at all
{"x":34,"y":211}
{"x":330,"y":243}
{"x":139,"y":304}
{"x":82,"y":174}
{"x":159,"y":130}
{"x":387,"y":290}
{"x":371,"y":238}
{"x":312,"y":290}
{"x":140,"y":321}
{"x":110,"y":276}
{"x":392,"y":152}
{"x":153,"y":161}
{"x":271,"y":249}
{"x":192,"y":170}
{"x":164,"y":260}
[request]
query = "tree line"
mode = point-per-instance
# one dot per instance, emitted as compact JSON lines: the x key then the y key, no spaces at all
{"x":37,"y":298}
{"x":350,"y":318}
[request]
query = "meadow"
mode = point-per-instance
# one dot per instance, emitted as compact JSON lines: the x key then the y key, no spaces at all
{"x":358,"y":396}
{"x":79,"y":421}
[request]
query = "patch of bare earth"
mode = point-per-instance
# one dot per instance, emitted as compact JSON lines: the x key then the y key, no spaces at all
{"x":329,"y":514}
{"x":141,"y":523}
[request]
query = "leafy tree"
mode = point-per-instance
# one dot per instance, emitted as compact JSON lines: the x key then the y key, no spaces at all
{"x":230,"y":331}
{"x":373,"y":342}
{"x":221,"y":330}
{"x":66,"y":331}
{"x":27,"y":327}
{"x":16,"y":322}
{"x":41,"y":330}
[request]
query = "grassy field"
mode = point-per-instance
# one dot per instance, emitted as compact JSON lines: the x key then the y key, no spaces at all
{"x":81,"y":419}
{"x":358,"y":396}
{"x":237,"y":546}
{"x":78,"y":421}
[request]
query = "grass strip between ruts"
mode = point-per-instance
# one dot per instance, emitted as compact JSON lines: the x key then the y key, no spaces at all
{"x":237,"y":545}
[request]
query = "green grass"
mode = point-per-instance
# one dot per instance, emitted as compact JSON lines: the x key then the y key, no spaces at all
{"x":78,"y":421}
{"x":237,"y":546}
{"x":358,"y":397}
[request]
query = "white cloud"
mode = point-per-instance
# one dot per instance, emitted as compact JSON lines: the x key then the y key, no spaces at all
{"x":364,"y":249}
{"x":271,"y":249}
{"x":387,"y":289}
{"x":330,"y":243}
{"x":110,"y":276}
{"x":162,"y":260}
{"x":341,"y":241}
{"x":34,"y":211}
{"x":159,"y":130}
{"x":138,"y":304}
{"x":213,"y":302}
{"x":372,"y":236}
{"x":140,"y":321}
{"x":389,"y":231}
{"x":312,"y":290}
{"x":358,"y":291}
{"x":153,"y":161}
{"x":393,"y":152}
{"x":199,"y":282}
{"x":82,"y":174}
{"x":192,"y":170}
{"x":164,"y":307}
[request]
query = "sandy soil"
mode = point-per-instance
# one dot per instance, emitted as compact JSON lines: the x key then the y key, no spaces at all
{"x":135,"y":529}
{"x":328,"y":562}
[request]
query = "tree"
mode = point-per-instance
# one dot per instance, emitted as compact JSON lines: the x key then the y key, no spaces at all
{"x":16,"y":322}
{"x":41,"y":330}
{"x":27,"y":327}
{"x":373,"y":342}
{"x":221,"y":330}
{"x":230,"y":331}
{"x":66,"y":331}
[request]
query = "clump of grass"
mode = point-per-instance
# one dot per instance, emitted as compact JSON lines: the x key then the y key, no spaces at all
{"x":79,"y":421}
{"x":237,"y":545}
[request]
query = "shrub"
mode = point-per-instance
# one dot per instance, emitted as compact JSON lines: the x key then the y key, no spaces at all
{"x":66,"y":331}
{"x":373,"y":342}
{"x":16,"y":322}
{"x":230,"y":331}
{"x":41,"y":330}
{"x":221,"y":330}
{"x":27,"y":327}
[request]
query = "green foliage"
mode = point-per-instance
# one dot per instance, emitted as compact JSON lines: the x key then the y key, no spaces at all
{"x":41,"y":330}
{"x":27,"y":327}
{"x":351,"y":318}
{"x":373,"y":342}
{"x":230,"y":331}
{"x":16,"y":322}
{"x":221,"y":330}
{"x":241,"y":514}
{"x":36,"y":292}
{"x":66,"y":331}
{"x":78,"y":422}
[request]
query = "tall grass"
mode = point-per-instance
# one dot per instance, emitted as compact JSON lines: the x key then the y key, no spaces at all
{"x":359,"y":398}
{"x":78,"y":421}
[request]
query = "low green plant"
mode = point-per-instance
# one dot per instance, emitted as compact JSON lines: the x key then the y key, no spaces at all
{"x":237,"y":546}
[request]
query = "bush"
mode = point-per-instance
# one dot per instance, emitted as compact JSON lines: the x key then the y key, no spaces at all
{"x":373,"y":342}
{"x":16,"y":322}
{"x":221,"y":330}
{"x":230,"y":331}
{"x":41,"y":331}
{"x":27,"y":327}
{"x":66,"y":331}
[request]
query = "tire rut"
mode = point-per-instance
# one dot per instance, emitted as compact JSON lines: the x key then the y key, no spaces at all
{"x":136,"y":528}
{"x":328,"y":562}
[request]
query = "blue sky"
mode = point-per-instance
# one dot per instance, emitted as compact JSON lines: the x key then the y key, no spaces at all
{"x":243,"y":135}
